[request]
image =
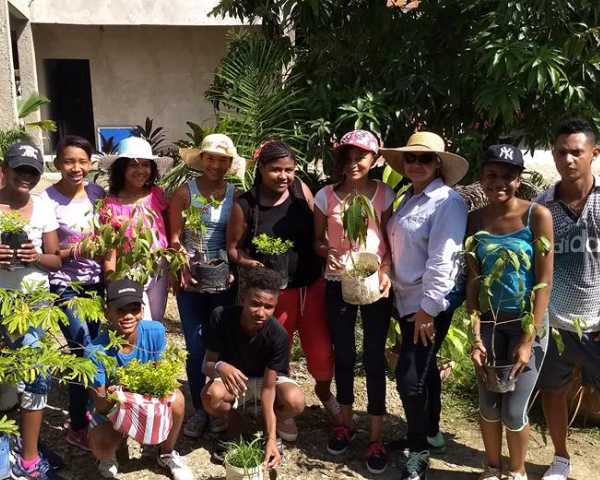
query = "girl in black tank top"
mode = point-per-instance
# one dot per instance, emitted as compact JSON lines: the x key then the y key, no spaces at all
{"x":280,"y":205}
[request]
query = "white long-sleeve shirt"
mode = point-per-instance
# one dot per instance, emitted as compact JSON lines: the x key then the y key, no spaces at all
{"x":426,"y":234}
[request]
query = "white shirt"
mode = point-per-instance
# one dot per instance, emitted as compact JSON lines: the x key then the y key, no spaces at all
{"x":43,"y":220}
{"x":426,"y":234}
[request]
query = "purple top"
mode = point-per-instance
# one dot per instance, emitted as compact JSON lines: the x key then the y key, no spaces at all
{"x":75,"y":221}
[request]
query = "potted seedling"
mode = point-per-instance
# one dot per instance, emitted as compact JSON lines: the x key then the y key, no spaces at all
{"x":12,"y":226}
{"x":212,"y":275}
{"x":360,"y":279}
{"x":243,"y":460}
{"x":272,"y":253}
{"x":144,"y":395}
{"x":497,"y":376}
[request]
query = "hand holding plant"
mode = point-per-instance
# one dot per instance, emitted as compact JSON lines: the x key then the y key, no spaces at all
{"x":272,"y":455}
{"x":233,"y":379}
{"x":27,"y":253}
{"x":521,"y":355}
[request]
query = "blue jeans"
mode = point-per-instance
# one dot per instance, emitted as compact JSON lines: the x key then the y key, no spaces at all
{"x":78,"y":335}
{"x":4,"y":457}
{"x":194,"y":311}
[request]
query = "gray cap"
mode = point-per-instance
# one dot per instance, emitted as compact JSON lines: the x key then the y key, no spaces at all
{"x":24,"y":155}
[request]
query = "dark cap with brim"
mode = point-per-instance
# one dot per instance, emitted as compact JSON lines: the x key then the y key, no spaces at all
{"x":507,"y":154}
{"x":123,"y":292}
{"x":24,"y":155}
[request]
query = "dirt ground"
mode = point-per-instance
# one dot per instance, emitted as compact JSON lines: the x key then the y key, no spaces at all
{"x":308,"y":458}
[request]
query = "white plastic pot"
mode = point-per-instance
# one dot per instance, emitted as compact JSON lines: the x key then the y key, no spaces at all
{"x":361,"y":291}
{"x":236,"y":473}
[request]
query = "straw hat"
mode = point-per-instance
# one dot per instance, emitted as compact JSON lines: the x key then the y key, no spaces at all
{"x":453,"y":166}
{"x":217,"y":144}
{"x":136,"y":147}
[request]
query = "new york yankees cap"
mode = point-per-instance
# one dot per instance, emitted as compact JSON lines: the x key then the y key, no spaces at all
{"x":123,"y":292}
{"x":504,"y":153}
{"x":25,"y":155}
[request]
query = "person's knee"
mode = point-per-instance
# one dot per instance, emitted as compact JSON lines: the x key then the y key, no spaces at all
{"x":178,"y":405}
{"x":514,"y":418}
{"x":292,"y":400}
{"x":213,"y":398}
{"x":104,"y":440}
{"x":489,"y":413}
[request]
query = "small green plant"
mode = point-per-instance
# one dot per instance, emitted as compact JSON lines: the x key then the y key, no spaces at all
{"x":245,"y":454}
{"x":154,"y":379}
{"x":505,"y":259}
{"x":357,"y":211}
{"x":271,"y":246}
{"x":194,"y":216}
{"x":12,"y":222}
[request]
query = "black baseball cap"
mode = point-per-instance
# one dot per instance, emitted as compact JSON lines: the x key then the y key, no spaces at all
{"x":123,"y":292}
{"x":24,"y":155}
{"x":504,"y":153}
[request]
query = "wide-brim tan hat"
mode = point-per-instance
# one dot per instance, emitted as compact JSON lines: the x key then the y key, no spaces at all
{"x":217,"y":144}
{"x":453,"y":166}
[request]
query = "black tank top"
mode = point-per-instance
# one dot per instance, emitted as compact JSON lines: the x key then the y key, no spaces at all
{"x":291,"y":220}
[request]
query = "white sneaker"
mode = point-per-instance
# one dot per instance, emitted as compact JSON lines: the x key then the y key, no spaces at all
{"x":195,"y":425}
{"x":559,"y":469}
{"x":287,"y":429}
{"x":176,"y":464}
{"x":108,"y":468}
{"x":516,"y":476}
{"x":490,"y":473}
{"x":217,"y":424}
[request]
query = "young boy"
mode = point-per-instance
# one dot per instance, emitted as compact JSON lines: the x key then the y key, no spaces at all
{"x":247,"y":358}
{"x":146,"y":341}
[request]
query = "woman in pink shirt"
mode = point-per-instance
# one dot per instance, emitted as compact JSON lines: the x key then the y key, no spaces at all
{"x":355,"y":156}
{"x":132,"y":196}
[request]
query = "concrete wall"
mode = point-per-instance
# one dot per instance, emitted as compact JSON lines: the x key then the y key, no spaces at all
{"x":8,"y":94}
{"x":160,"y":72}
{"x":127,"y":12}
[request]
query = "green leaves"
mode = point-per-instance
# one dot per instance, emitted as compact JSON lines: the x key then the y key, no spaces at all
{"x":194,"y":216}
{"x":542,"y":246}
{"x":357,"y":211}
{"x":8,"y":426}
{"x":154,"y":379}
{"x":12,"y":222}
{"x":245,"y":454}
{"x":271,"y":246}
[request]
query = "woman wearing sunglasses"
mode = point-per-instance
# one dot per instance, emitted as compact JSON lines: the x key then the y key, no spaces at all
{"x":425,"y":234}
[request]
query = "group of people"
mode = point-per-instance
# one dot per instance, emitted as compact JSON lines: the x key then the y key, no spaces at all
{"x":239,"y":337}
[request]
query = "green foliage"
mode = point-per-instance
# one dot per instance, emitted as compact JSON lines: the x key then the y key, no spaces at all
{"x":12,"y":222}
{"x":456,"y":347}
{"x":8,"y":137}
{"x":245,"y":454}
{"x":8,"y":426}
{"x":194,"y":216}
{"x":271,"y":246}
{"x":154,"y":379}
{"x":154,"y":136}
{"x":136,"y":259}
{"x":357,"y":211}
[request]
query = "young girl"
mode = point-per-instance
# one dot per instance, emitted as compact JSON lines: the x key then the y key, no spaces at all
{"x":22,"y":169}
{"x":355,"y":156}
{"x":73,"y":201}
{"x":280,"y":205}
{"x":514,"y":225}
{"x":216,"y":156}
{"x":132,"y":196}
{"x":426,"y":234}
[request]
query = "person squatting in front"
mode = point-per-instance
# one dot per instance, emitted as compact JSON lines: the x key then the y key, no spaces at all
{"x":247,"y":361}
{"x":146,"y":342}
{"x":509,"y":232}
{"x":426,"y":233}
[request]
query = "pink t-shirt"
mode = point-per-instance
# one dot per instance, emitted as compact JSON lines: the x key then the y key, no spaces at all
{"x":330,"y":204}
{"x":150,"y":208}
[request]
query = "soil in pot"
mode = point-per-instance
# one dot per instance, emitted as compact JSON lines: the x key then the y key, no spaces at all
{"x":14,"y":241}
{"x":497,"y":379}
{"x":212,"y":276}
{"x":360,"y":282}
{"x":279,"y":263}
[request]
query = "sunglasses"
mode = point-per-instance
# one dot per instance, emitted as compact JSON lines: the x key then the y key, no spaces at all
{"x":423,"y":159}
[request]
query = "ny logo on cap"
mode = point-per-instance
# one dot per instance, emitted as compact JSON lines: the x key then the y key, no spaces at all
{"x":506,"y":153}
{"x":28,"y":151}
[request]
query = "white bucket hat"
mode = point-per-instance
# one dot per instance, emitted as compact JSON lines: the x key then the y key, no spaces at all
{"x":217,"y":144}
{"x":453,"y":166}
{"x":136,"y":147}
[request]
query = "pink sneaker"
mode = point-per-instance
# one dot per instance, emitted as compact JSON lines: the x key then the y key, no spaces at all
{"x":78,"y":438}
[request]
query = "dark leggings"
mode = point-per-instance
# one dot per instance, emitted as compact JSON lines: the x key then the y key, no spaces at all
{"x":376,"y":320}
{"x":418,"y":381}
